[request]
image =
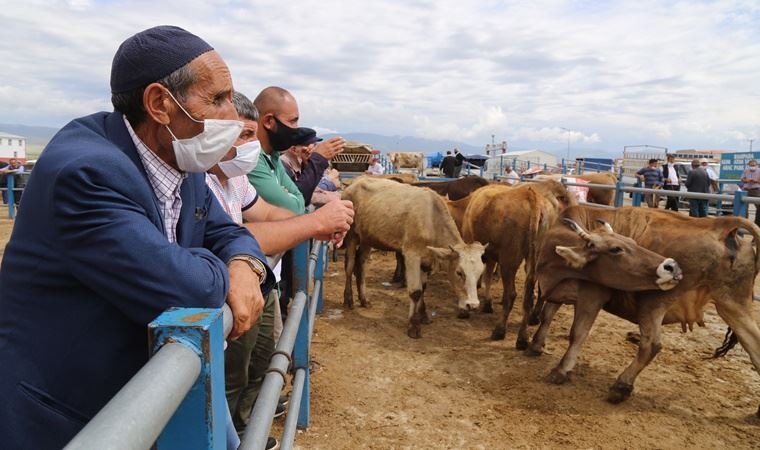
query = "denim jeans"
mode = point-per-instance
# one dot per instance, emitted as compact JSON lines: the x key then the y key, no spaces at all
{"x":697,"y":208}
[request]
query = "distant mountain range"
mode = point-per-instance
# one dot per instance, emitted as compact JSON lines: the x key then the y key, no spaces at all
{"x":37,"y":137}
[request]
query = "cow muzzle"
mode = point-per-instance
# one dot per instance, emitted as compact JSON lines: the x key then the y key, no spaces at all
{"x":669,"y":274}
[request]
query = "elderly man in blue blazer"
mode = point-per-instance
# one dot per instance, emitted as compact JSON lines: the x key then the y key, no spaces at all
{"x":117,"y":226}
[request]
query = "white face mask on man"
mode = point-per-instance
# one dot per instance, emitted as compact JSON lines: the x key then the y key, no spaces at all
{"x":247,"y":155}
{"x":202,"y":151}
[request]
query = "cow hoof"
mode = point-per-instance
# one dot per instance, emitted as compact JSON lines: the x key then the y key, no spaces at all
{"x":486,"y":308}
{"x":498,"y":333}
{"x":426,"y":320}
{"x":348,"y":305}
{"x":463,"y":314}
{"x":619,"y":392}
{"x":365,"y":304}
{"x":530,"y":351}
{"x":521,"y":344}
{"x":414,"y":332}
{"x":557,"y":377}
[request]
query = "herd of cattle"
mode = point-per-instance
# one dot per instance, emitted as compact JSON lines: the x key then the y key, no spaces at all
{"x":648,"y":266}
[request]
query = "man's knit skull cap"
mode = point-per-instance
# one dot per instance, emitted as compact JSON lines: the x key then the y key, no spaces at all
{"x":150,"y":55}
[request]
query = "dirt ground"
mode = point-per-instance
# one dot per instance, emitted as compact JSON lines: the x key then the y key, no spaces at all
{"x":373,"y":387}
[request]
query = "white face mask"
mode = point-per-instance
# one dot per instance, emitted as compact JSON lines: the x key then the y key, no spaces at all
{"x":201,"y":152}
{"x":244,"y":161}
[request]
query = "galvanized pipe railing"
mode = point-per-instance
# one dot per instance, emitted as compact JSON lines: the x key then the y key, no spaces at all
{"x":136,"y":415}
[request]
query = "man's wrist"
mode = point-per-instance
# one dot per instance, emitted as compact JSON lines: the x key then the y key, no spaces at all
{"x":256,"y":265}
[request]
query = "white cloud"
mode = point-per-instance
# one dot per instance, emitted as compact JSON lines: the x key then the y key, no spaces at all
{"x":614,"y":73}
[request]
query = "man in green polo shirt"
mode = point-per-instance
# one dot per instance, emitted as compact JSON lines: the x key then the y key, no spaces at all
{"x":278,"y":121}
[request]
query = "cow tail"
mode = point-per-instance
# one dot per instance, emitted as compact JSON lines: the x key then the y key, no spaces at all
{"x":535,"y":229}
{"x":729,"y":342}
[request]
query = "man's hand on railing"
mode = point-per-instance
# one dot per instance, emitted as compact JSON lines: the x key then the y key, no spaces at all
{"x":244,"y":297}
{"x":333,"y":220}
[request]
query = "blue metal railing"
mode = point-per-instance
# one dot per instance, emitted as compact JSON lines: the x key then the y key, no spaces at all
{"x":176,"y":401}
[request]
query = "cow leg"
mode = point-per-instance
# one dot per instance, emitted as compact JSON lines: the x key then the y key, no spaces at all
{"x":487,"y":305}
{"x":528,"y":295}
{"x":348,"y":295}
{"x":507,"y":300}
{"x":399,"y":277}
{"x":651,"y":313}
{"x":414,"y":288}
{"x":739,"y":318}
{"x":591,"y":298}
{"x":536,"y":347}
{"x":360,"y":262}
{"x":422,"y":307}
{"x":535,"y":314}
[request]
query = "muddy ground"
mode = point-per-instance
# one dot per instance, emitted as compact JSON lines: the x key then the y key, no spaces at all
{"x":373,"y":387}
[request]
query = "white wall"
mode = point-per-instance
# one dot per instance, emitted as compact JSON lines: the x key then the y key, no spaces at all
{"x":12,"y":147}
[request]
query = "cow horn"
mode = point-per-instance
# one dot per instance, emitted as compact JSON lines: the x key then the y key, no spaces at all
{"x":577,"y":228}
{"x":607,"y":225}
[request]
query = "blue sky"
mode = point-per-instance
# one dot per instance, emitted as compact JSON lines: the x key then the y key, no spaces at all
{"x":674,"y":74}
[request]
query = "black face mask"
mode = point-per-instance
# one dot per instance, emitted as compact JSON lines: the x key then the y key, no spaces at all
{"x":283,"y":137}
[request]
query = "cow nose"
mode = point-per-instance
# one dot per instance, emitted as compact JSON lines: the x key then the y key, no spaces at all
{"x":672,"y":266}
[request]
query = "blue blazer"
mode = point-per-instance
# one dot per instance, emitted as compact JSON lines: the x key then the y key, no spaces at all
{"x":88,"y":266}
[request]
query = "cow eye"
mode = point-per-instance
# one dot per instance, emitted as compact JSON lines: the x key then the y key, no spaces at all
{"x":616,"y":250}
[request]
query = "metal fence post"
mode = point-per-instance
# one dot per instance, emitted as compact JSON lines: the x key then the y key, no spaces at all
{"x":619,"y":194}
{"x":10,"y":196}
{"x":200,"y":420}
{"x":319,"y":275}
{"x":636,"y":199}
{"x":740,"y":208}
{"x":301,"y":347}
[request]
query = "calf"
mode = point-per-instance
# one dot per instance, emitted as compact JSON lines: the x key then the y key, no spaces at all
{"x":416,"y":223}
{"x":718,"y":266}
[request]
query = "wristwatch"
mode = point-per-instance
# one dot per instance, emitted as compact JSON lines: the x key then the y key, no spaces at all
{"x":256,"y":266}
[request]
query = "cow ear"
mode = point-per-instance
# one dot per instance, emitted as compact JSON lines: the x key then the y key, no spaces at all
{"x":441,"y":252}
{"x":571,"y":257}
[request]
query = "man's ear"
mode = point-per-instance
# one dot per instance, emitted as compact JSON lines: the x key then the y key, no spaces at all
{"x":158,"y":105}
{"x":571,"y":257}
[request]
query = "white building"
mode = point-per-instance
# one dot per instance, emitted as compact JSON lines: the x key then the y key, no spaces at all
{"x":496,"y":149}
{"x":519,"y":160}
{"x":12,"y":146}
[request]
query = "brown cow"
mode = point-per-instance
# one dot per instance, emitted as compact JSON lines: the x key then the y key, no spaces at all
{"x":718,"y":266}
{"x":455,"y":189}
{"x":401,"y":218}
{"x":511,"y":219}
{"x":408,"y":160}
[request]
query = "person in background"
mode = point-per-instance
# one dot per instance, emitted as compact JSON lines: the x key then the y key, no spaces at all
{"x":460,"y":163}
{"x":306,"y":161}
{"x":13,"y":169}
{"x":697,"y":181}
{"x":714,"y":186}
{"x":671,"y":182}
{"x":448,"y":165}
{"x":751,"y":180}
{"x":375,"y":168}
{"x":652,"y":179}
{"x":510,"y":176}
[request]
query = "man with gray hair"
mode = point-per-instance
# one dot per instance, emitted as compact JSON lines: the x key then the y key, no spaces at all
{"x":118,"y":226}
{"x":278,"y":229}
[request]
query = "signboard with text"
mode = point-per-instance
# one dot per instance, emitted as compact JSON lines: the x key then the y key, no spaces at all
{"x":733,"y":164}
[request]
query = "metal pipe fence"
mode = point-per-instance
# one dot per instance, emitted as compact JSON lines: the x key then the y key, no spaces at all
{"x":176,"y":401}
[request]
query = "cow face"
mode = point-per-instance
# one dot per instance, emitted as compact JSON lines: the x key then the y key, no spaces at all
{"x":465,"y":262}
{"x":618,"y":262}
